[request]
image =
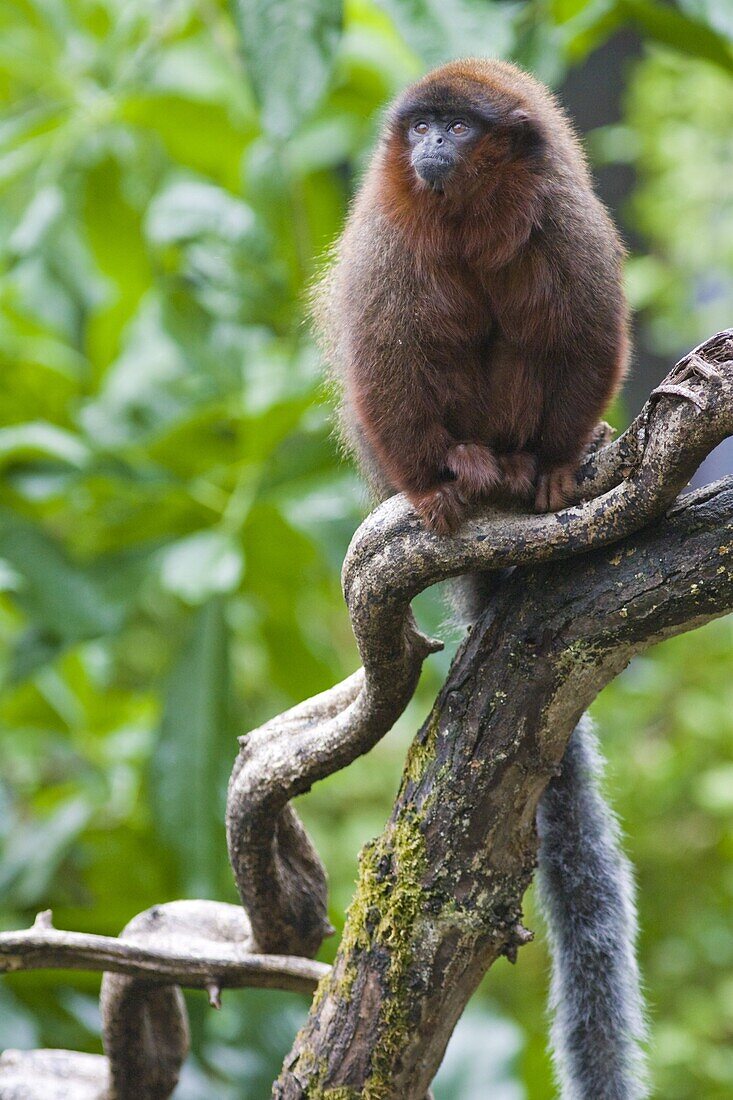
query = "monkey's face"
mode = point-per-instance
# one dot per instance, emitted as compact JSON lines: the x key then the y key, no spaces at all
{"x":455,"y":134}
{"x":439,"y":143}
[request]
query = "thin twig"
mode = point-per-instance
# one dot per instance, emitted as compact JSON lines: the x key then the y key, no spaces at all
{"x":41,"y":948}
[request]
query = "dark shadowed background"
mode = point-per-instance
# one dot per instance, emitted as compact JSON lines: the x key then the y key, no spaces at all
{"x":173,"y":509}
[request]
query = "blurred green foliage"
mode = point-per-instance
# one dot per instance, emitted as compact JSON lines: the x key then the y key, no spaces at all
{"x":173,"y":511}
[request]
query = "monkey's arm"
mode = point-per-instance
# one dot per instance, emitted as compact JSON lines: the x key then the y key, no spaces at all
{"x":403,"y":443}
{"x":563,"y":308}
{"x":575,"y":397}
{"x":411,"y":451}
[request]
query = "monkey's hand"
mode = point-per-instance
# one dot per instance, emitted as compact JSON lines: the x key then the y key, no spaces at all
{"x":475,"y":468}
{"x":441,"y":509}
{"x":555,"y":487}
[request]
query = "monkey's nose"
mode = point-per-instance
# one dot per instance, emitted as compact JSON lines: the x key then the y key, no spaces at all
{"x":438,"y":141}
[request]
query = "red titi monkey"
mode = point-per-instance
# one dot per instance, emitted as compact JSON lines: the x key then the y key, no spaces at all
{"x":474,"y":315}
{"x":475,"y":321}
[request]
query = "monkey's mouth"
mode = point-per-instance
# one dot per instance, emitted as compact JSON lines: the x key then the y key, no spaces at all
{"x":434,"y":171}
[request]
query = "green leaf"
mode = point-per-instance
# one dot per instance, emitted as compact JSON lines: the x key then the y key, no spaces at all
{"x":564,"y":10}
{"x":145,"y":389}
{"x":191,"y":208}
{"x":714,"y":790}
{"x":289,"y":47}
{"x":41,"y":214}
{"x":672,"y":28}
{"x":39,"y":439}
{"x":120,"y":255}
{"x":59,"y":596}
{"x":439,"y":32}
{"x":34,"y":852}
{"x":201,"y":565}
{"x":716,"y":13}
{"x":33,"y":650}
{"x":18,"y":1027}
{"x":203,"y":137}
{"x":194,"y":754}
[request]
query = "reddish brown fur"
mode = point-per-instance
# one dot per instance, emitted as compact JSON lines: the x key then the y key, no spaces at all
{"x":477,"y":333}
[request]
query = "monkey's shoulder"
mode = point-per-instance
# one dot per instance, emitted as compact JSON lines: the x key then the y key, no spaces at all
{"x":377,"y":268}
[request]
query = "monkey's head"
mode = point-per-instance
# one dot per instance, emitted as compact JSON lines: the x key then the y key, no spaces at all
{"x":458,"y":125}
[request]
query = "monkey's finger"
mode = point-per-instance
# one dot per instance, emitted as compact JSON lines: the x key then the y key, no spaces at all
{"x":542,"y":496}
{"x":555,"y":489}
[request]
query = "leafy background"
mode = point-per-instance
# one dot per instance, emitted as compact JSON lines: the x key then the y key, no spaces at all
{"x":173,"y":510}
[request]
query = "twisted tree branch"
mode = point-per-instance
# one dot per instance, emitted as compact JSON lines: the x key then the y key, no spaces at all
{"x":391,"y":559}
{"x":440,"y":892}
{"x":429,"y":916}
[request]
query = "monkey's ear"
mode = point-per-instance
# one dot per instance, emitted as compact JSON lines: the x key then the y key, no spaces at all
{"x":526,"y":133}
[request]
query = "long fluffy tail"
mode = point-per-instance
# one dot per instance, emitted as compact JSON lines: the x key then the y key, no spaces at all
{"x":587,"y":893}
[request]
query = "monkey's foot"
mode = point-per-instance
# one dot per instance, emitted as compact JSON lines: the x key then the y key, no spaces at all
{"x":475,"y":468}
{"x":519,"y":471}
{"x":555,"y":488}
{"x":441,"y":509}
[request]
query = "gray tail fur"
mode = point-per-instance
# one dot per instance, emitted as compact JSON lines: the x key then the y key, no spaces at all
{"x":586,"y":891}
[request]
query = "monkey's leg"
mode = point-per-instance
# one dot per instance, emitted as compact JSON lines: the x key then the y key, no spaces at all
{"x":411,"y":456}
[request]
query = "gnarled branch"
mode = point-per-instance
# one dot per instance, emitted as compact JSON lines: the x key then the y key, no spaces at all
{"x":391,"y":559}
{"x":440,"y":892}
{"x":429,"y":916}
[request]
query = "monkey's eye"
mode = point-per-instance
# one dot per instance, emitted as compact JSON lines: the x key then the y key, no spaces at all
{"x":459,"y":127}
{"x":421,"y":127}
